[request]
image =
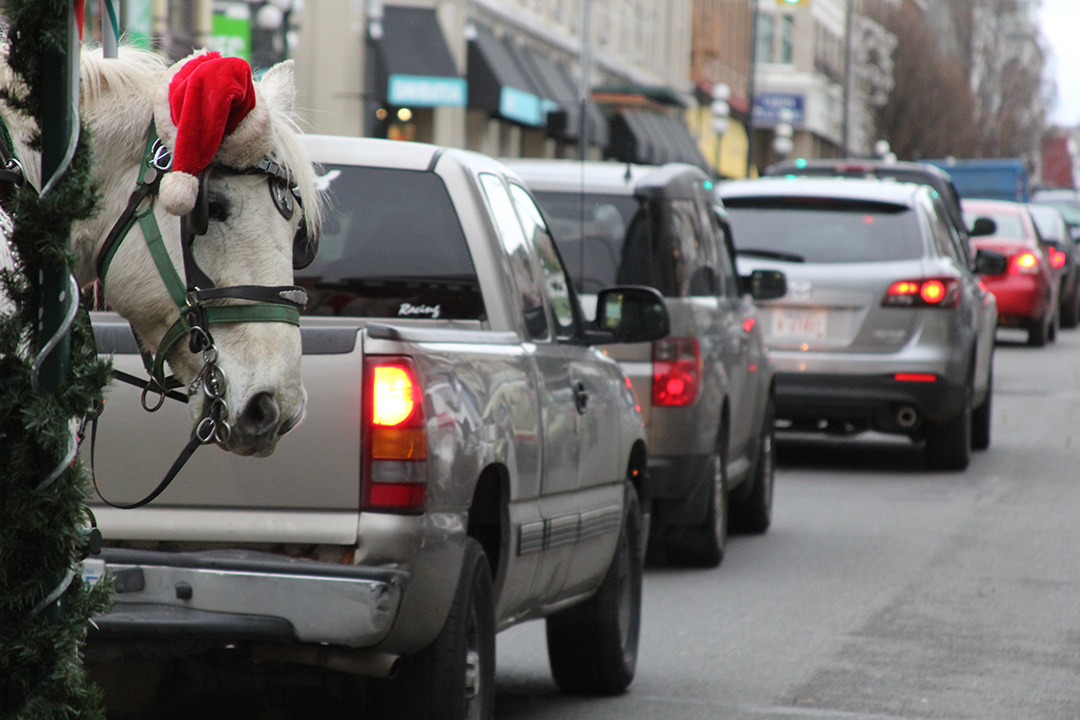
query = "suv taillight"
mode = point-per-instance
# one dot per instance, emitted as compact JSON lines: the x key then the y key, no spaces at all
{"x":395,"y":441}
{"x":676,"y":371}
{"x":939,"y":292}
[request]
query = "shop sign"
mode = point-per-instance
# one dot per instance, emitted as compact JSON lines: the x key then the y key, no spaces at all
{"x":520,"y":106}
{"x":426,"y":91}
{"x":768,"y":107}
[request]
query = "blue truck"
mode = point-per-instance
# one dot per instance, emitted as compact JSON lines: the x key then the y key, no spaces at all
{"x":995,"y":179}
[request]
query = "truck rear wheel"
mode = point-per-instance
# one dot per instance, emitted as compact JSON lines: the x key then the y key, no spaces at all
{"x":702,"y":545}
{"x":593,"y":646}
{"x":454,"y":677}
{"x":752,"y":513}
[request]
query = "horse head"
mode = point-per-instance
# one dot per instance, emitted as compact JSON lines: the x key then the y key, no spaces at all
{"x":233,"y":214}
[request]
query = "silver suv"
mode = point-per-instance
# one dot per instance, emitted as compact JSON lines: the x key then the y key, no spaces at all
{"x":706,"y":391}
{"x":884,"y":326}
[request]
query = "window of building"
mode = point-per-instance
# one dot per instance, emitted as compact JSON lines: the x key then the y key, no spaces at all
{"x":787,"y":39}
{"x":766,"y":31}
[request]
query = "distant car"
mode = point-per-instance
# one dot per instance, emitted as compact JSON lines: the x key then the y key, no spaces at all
{"x":1065,"y":200}
{"x":884,"y":326}
{"x":1027,"y":292}
{"x":705,"y":390}
{"x":1064,"y":255}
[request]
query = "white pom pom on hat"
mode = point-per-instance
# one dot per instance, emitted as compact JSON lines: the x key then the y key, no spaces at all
{"x":208,"y":110}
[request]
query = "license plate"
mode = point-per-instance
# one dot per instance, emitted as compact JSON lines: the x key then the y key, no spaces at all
{"x":804,"y":324}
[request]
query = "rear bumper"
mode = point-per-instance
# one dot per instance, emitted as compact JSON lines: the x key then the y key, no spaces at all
{"x":874,"y":399}
{"x":1019,"y":297}
{"x":239,"y":595}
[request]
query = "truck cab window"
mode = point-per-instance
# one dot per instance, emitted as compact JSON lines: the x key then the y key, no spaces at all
{"x":516,"y":244}
{"x":556,"y":284}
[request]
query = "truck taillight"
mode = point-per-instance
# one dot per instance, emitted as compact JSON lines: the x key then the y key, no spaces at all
{"x":395,"y":439}
{"x":676,"y":371}
{"x":942,"y":292}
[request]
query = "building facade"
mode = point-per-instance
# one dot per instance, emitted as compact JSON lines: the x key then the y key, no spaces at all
{"x":512,"y":78}
{"x":821,"y":67}
{"x":722,"y":64}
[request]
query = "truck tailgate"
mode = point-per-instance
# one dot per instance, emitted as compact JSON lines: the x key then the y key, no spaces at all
{"x":220,"y":496}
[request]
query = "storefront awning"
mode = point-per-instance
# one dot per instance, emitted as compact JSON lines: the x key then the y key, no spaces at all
{"x":415,"y":67}
{"x":653,"y":138}
{"x":497,"y":82}
{"x":564,"y":121}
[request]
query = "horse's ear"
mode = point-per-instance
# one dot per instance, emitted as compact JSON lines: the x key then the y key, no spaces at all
{"x":278,"y":86}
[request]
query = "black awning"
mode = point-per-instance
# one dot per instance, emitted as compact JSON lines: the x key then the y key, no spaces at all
{"x":566,"y":123}
{"x":415,"y":66}
{"x":497,"y":82}
{"x":652,"y":138}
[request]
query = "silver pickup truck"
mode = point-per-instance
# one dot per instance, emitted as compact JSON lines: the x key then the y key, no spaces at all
{"x":469,"y":459}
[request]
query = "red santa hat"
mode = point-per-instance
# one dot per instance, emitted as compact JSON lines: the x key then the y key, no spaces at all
{"x":208,"y":109}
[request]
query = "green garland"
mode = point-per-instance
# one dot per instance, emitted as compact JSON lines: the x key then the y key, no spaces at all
{"x":41,"y":673}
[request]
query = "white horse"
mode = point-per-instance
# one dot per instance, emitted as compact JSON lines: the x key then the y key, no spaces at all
{"x":248,"y":241}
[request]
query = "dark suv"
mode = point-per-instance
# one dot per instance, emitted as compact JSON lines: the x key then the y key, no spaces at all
{"x":912,"y":172}
{"x":706,"y":391}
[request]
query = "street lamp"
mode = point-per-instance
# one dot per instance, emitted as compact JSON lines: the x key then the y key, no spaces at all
{"x":783,"y":143}
{"x":720,"y":113}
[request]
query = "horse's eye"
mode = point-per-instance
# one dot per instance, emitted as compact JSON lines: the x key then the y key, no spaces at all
{"x":218,"y":208}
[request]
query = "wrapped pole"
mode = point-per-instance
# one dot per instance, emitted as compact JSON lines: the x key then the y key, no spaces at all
{"x":49,"y":376}
{"x":110,"y":29}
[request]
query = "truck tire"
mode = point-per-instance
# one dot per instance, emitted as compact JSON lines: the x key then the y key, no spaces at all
{"x":752,"y":513}
{"x":948,"y":444}
{"x":1070,"y":309}
{"x":593,"y":646}
{"x":982,"y":418}
{"x":454,"y":677}
{"x":702,"y":545}
{"x":1038,"y":332}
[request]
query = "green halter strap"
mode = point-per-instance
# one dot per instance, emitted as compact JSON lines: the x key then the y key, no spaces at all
{"x":266,"y":303}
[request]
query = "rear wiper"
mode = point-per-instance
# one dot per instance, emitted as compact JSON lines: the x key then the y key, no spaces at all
{"x":771,"y":255}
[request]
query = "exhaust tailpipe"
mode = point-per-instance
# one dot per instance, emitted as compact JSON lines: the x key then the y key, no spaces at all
{"x":906,"y":417}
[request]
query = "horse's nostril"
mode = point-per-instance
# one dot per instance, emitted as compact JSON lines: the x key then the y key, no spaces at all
{"x":260,"y":416}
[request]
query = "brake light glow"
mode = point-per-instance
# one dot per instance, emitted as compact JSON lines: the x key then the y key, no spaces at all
{"x":393,"y":395}
{"x":1024,"y":264}
{"x":394,"y":478}
{"x":676,"y":372}
{"x":915,"y":377}
{"x":1057,"y":258}
{"x":942,"y":292}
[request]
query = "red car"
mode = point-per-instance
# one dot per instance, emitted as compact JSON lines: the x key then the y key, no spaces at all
{"x":1027,"y":293}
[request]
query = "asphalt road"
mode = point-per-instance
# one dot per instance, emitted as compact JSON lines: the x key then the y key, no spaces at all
{"x":882,"y":591}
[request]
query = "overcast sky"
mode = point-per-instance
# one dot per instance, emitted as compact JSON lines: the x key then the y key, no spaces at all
{"x":1061,"y":27}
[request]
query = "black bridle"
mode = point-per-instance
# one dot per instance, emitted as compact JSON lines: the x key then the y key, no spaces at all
{"x":197,"y":296}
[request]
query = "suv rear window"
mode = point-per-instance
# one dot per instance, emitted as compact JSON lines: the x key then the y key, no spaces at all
{"x":391,"y":246}
{"x":822,"y":230}
{"x":608,"y":240}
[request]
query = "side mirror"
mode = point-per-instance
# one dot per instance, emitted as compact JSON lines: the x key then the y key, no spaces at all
{"x":989,"y":262}
{"x":983,"y":226}
{"x":763,"y":284}
{"x":630,"y":314}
